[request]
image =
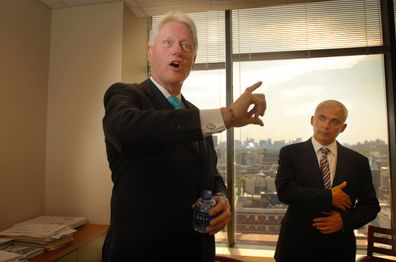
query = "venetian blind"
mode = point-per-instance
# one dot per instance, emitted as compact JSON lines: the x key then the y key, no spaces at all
{"x":307,"y":26}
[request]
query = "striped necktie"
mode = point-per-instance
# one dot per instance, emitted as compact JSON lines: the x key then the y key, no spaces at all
{"x":175,"y":102}
{"x":324,"y":166}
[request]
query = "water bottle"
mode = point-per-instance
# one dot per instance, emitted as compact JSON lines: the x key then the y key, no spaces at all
{"x":201,"y":216}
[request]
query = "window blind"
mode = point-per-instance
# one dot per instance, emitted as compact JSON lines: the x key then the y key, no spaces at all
{"x":307,"y":26}
{"x":323,"y":25}
{"x":394,"y":13}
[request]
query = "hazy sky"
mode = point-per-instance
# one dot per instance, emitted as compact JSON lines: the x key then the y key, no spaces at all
{"x":293,"y":88}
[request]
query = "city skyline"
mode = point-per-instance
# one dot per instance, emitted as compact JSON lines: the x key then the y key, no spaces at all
{"x":293,"y":88}
{"x":251,"y":143}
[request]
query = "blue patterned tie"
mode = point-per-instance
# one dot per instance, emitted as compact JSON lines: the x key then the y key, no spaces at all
{"x":175,"y":102}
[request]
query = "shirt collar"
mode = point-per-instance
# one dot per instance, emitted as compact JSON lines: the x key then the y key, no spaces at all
{"x":332,"y":147}
{"x":162,"y":89}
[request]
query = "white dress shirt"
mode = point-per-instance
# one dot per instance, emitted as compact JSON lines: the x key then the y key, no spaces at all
{"x":331,"y":156}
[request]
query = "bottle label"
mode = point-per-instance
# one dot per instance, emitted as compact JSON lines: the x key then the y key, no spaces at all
{"x":201,"y":221}
{"x":201,"y":216}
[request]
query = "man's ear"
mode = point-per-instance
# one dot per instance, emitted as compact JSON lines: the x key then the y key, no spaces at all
{"x":343,"y":128}
{"x":193,"y":63}
{"x":312,"y":120}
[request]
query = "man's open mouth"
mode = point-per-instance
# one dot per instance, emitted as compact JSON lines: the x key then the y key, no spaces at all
{"x":175,"y":64}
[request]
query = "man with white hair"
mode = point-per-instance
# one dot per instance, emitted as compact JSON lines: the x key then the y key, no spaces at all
{"x":162,"y":159}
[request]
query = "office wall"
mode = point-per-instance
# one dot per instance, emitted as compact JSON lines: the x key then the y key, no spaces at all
{"x":24,"y":56}
{"x":88,"y":45}
{"x":134,"y":51}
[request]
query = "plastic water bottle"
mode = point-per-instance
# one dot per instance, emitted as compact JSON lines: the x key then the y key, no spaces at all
{"x":201,"y":216}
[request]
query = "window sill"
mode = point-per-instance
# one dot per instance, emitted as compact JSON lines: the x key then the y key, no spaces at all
{"x":248,"y":251}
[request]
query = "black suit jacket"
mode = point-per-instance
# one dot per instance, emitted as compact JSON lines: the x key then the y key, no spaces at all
{"x":299,"y":184}
{"x":160,"y":164}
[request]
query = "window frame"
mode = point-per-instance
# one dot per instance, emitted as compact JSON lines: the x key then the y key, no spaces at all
{"x":387,"y":49}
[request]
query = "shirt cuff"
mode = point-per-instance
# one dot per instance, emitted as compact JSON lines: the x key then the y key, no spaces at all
{"x":211,"y":121}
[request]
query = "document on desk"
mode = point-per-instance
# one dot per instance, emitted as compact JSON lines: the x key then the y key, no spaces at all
{"x":37,"y":232}
{"x":8,"y":256}
{"x":25,"y":251}
{"x":72,"y":222}
{"x":4,"y":241}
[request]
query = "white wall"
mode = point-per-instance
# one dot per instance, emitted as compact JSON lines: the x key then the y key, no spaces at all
{"x":134,"y":52}
{"x":54,"y":69}
{"x":24,"y":56}
{"x":86,"y":57}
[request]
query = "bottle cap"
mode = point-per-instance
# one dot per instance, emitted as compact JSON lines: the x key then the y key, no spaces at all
{"x":206,"y":194}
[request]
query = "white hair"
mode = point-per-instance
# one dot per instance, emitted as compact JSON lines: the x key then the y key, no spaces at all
{"x":175,"y":16}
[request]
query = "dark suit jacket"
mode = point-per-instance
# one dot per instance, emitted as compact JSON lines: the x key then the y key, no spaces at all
{"x":299,"y":184}
{"x":158,"y":173}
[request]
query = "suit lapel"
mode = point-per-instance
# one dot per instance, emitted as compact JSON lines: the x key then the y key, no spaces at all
{"x":159,"y":102}
{"x":342,"y":162}
{"x":312,"y":164}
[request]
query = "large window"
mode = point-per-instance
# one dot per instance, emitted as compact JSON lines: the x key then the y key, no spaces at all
{"x":304,"y":53}
{"x":293,"y":88}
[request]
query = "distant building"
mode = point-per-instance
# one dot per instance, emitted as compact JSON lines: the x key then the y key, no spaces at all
{"x":258,"y":184}
{"x":258,"y":220}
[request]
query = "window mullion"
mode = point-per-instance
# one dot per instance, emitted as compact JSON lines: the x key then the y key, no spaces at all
{"x":230,"y":131}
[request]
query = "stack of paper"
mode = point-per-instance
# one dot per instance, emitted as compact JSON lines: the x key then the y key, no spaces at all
{"x":43,"y":232}
{"x":10,"y":257}
{"x":72,"y":222}
{"x":25,"y":251}
{"x":47,"y":236}
{"x":4,"y":242}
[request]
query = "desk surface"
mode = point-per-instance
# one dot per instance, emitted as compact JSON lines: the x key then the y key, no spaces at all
{"x":84,"y":234}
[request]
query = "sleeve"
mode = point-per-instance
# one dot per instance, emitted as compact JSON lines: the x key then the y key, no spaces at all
{"x":219,"y":186}
{"x":292,"y":187}
{"x":132,"y":124}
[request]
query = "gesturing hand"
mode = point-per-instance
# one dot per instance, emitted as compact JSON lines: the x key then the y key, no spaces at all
{"x":238,"y":114}
{"x":339,"y":198}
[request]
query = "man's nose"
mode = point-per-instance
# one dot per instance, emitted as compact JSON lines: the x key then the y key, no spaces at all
{"x":326,"y":124}
{"x":177,"y":49}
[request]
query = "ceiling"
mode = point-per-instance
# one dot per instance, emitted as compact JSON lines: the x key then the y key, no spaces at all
{"x":142,"y":8}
